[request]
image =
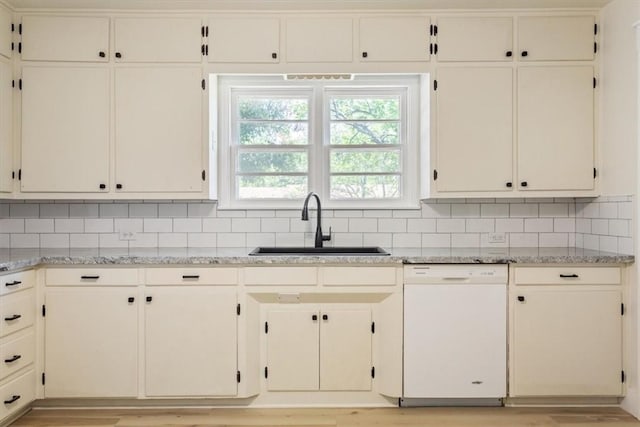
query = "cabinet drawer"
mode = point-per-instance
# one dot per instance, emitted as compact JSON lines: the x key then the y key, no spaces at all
{"x":305,"y":276}
{"x":17,"y":394}
{"x":17,"y":281}
{"x":92,"y":276}
{"x":567,"y":276}
{"x":359,"y":276}
{"x":16,"y":312}
{"x":192,"y":276}
{"x":16,"y":354}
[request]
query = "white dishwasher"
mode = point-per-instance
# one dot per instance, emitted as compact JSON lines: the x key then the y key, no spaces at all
{"x":455,"y":334}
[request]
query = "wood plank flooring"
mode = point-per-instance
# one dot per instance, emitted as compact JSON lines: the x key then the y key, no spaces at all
{"x":377,"y":417}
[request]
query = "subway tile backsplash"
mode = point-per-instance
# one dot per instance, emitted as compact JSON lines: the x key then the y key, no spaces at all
{"x":604,"y":223}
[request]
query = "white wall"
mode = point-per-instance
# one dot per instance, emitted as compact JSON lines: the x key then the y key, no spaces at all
{"x":619,"y":113}
{"x":619,"y":140}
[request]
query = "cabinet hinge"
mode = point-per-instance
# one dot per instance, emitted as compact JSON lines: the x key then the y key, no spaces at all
{"x":13,"y":174}
{"x":19,"y":174}
{"x":202,"y":31}
{"x":13,"y":27}
{"x":19,"y":84}
{"x":13,"y":47}
{"x":13,"y":83}
{"x":623,"y":377}
{"x":435,"y":175}
{"x":435,"y":46}
{"x":43,"y":379}
{"x":204,"y":84}
{"x":266,"y":327}
{"x":206,"y":31}
{"x":373,"y":372}
{"x":44,"y":310}
{"x":595,"y":82}
{"x":435,"y":30}
{"x":595,"y":47}
{"x":595,"y":173}
{"x":20,"y":29}
{"x":621,"y":309}
{"x":204,"y":175}
{"x":373,"y":327}
{"x":206,"y":50}
{"x":238,"y":309}
{"x":435,"y":85}
{"x":19,"y":47}
{"x":266,"y":372}
{"x":238,"y":376}
{"x":431,"y":29}
{"x":595,"y":28}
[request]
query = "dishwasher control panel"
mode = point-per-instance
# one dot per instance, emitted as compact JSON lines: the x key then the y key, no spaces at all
{"x":455,"y":273}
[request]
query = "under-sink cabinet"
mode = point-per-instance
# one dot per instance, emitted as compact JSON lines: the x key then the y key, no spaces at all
{"x":319,"y":347}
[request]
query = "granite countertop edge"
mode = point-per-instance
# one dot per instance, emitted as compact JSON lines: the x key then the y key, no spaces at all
{"x":18,"y":259}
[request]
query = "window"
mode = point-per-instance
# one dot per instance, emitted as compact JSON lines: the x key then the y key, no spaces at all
{"x":354,"y":142}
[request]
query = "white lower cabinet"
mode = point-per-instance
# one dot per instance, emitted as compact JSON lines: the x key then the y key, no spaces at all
{"x":319,"y":347}
{"x":91,"y":342}
{"x":17,"y":342}
{"x":190,"y":341}
{"x":566,"y":337}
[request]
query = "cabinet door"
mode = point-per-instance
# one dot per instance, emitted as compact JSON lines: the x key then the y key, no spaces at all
{"x":65,"y":38}
{"x":474,"y":129}
{"x":567,"y":342}
{"x":555,"y":128}
{"x":190,"y":341}
{"x":345,"y":349}
{"x":5,"y":32}
{"x":158,"y":39}
{"x":91,"y":342}
{"x":159,"y":140}
{"x":475,"y":39}
{"x":556,"y":38}
{"x":6,"y":127}
{"x":244,"y":40}
{"x":292,"y":349}
{"x":322,"y":39}
{"x":65,"y":129}
{"x":395,"y":39}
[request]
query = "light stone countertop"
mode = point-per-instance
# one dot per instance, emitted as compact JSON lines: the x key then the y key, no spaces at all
{"x":15,"y":259}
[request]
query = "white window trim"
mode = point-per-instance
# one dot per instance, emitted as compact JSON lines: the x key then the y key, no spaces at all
{"x":414,"y":130}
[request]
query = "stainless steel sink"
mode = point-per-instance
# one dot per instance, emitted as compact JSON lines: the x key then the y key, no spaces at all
{"x":335,"y":251}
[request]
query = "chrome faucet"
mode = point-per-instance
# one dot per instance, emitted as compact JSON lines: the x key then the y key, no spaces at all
{"x":305,"y":217}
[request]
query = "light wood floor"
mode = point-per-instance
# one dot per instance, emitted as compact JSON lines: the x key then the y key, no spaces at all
{"x":388,"y":417}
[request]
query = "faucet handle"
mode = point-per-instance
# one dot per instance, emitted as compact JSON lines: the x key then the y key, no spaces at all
{"x":327,"y":237}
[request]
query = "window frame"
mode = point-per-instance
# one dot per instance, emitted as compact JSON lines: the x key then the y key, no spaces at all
{"x":319,"y":149}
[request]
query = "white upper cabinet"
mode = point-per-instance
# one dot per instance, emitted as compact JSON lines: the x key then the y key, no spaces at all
{"x":319,"y":39}
{"x":475,"y":39}
{"x":158,"y":137}
{"x":6,"y":128}
{"x":65,"y":129}
{"x":474,"y":129}
{"x":158,"y":39}
{"x":65,"y":38}
{"x":253,"y":39}
{"x":557,"y":38}
{"x":555,"y":128}
{"x":394,"y":38}
{"x":5,"y":32}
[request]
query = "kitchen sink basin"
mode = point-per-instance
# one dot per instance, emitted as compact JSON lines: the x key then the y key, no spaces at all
{"x":335,"y":251}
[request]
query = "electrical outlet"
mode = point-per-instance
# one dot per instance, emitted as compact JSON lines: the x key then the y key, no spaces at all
{"x":497,"y":237}
{"x":127,"y":235}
